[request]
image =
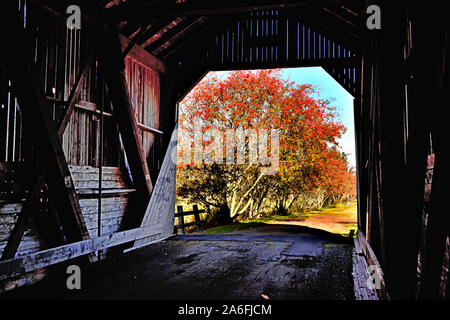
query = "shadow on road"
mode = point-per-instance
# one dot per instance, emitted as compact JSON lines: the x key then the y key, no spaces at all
{"x":278,"y":261}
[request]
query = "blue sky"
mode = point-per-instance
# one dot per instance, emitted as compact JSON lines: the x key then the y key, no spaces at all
{"x":328,"y":88}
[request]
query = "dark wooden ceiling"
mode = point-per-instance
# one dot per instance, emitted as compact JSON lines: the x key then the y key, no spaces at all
{"x":160,"y":26}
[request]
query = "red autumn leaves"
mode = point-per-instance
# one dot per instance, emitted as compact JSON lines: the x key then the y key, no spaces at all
{"x":309,"y":126}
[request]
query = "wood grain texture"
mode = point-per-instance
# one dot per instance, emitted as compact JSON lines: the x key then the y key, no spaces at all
{"x":160,"y":210}
{"x":145,"y":58}
{"x":41,"y":259}
{"x":125,"y":116}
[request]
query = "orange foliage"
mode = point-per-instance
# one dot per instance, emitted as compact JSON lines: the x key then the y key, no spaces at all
{"x":309,"y":126}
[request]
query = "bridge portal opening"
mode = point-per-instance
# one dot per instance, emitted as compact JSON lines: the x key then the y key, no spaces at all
{"x":266,"y":147}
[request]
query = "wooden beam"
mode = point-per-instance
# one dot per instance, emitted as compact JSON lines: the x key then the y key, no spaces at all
{"x":436,"y":233}
{"x":339,"y":34}
{"x":160,"y":209}
{"x":113,"y":69}
{"x":195,"y":38}
{"x":357,"y":125}
{"x":22,"y":221}
{"x":185,"y":32}
{"x":119,"y":12}
{"x":149,"y":129}
{"x":372,"y":260}
{"x":345,"y":20}
{"x":139,"y":35}
{"x":347,"y":62}
{"x":430,"y":122}
{"x":161,"y":39}
{"x":20,"y":265}
{"x":399,"y":253}
{"x":206,"y":8}
{"x":75,"y":92}
{"x":157,"y":26}
{"x":160,"y":34}
{"x":184,"y":84}
{"x":361,"y":119}
{"x":35,"y":107}
{"x":142,"y":56}
{"x":350,"y":87}
{"x":181,"y":49}
{"x":35,"y":188}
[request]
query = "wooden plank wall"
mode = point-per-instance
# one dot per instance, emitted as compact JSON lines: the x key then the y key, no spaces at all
{"x":381,"y":152}
{"x":13,"y":176}
{"x":60,"y":54}
{"x":8,"y":216}
{"x":403,"y":166}
{"x":116,"y":195}
{"x":116,"y":187}
{"x":270,"y":38}
{"x":11,"y":132}
{"x":431,"y":46}
{"x":81,"y":140}
{"x":144,"y":88}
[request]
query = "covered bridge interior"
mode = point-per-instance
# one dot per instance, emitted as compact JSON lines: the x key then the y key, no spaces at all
{"x":88,"y":118}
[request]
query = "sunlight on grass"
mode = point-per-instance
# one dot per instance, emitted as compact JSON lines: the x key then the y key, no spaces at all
{"x":246,"y":225}
{"x":339,"y":219}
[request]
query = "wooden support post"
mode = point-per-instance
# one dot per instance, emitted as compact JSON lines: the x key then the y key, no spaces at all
{"x":136,"y":39}
{"x":96,"y":134}
{"x":160,"y":209}
{"x":35,"y":187}
{"x":138,"y":53}
{"x":35,"y":108}
{"x":400,"y":253}
{"x":180,"y":220}
{"x":113,"y":69}
{"x":432,"y":87}
{"x":362,"y":108}
{"x":197,"y":218}
{"x":357,"y":120}
{"x":20,"y":265}
{"x":435,"y":232}
{"x":75,"y":92}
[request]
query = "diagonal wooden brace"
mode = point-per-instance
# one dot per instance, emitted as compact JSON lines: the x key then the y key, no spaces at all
{"x":113,"y":68}
{"x":35,"y":187}
{"x":35,"y":108}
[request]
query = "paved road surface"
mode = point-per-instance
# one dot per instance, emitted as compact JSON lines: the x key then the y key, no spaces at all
{"x":282,"y":262}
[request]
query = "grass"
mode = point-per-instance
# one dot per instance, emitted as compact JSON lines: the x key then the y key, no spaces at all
{"x":339,"y":219}
{"x":243,"y":225}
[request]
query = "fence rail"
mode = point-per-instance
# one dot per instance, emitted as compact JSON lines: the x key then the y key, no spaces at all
{"x":180,"y":214}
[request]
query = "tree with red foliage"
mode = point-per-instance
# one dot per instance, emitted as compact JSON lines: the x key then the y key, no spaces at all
{"x":308,"y":126}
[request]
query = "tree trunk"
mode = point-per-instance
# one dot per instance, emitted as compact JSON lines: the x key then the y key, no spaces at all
{"x":223,"y":215}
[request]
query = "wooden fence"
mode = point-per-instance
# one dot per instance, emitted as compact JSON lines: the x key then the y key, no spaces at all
{"x":180,"y":214}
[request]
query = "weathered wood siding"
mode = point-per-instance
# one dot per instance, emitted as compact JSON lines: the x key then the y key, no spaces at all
{"x":144,"y":89}
{"x":13,"y":191}
{"x":160,"y":210}
{"x":116,"y":188}
{"x":8,"y":217}
{"x":60,"y":55}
